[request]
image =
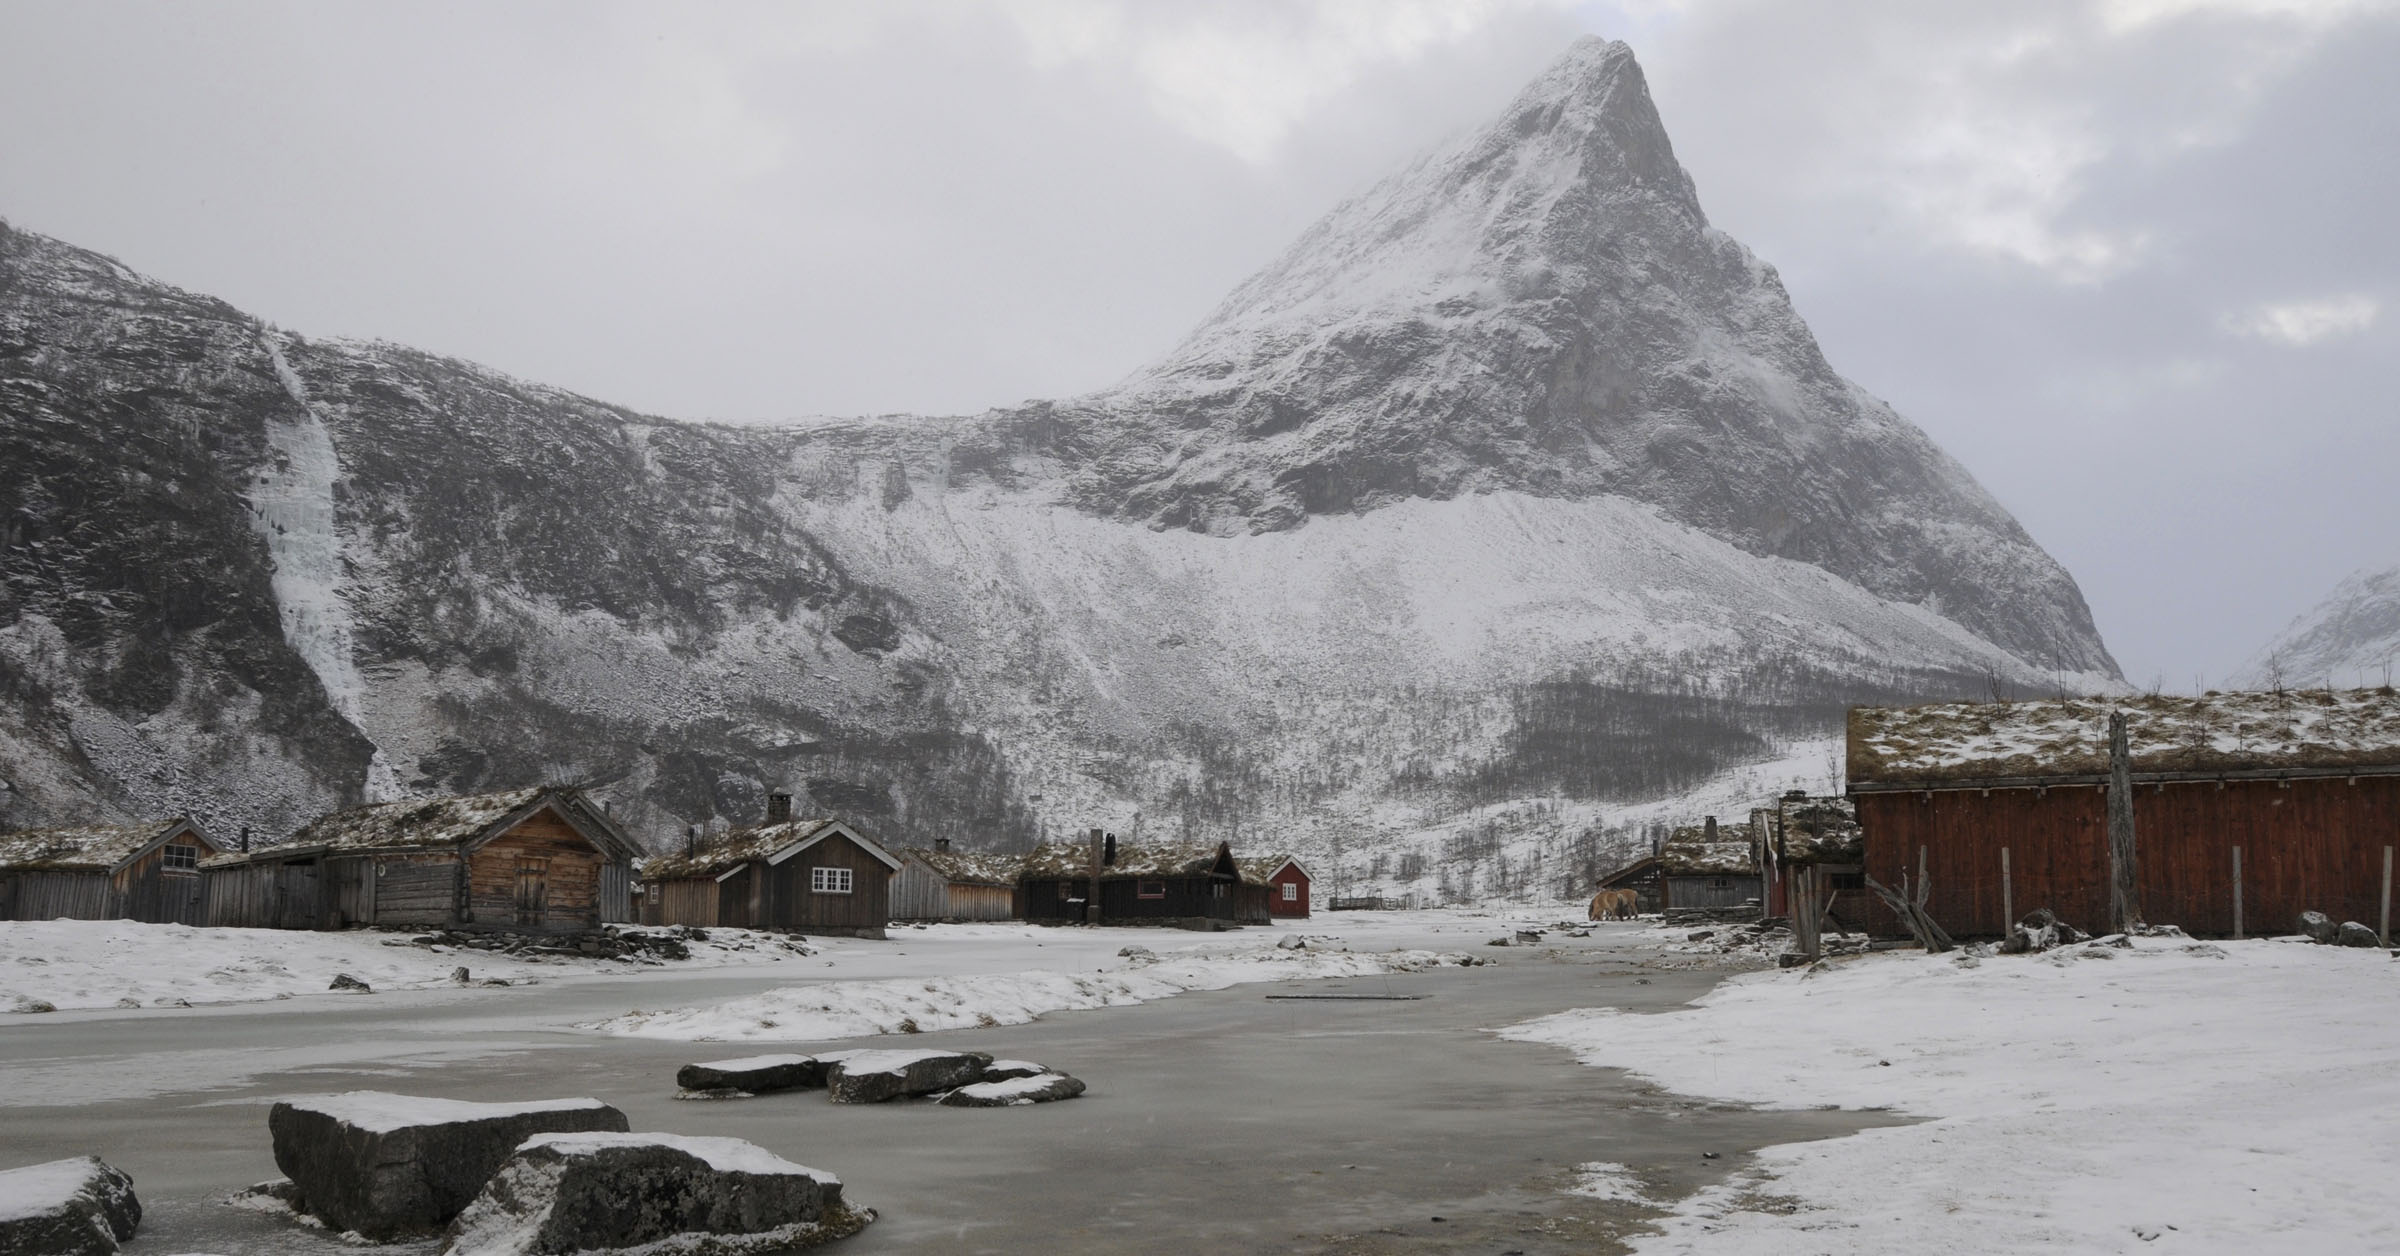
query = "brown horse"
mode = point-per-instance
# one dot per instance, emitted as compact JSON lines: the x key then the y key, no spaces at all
{"x":1615,"y":905}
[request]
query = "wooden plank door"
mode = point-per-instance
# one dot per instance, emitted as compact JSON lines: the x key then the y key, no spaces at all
{"x":533,"y":890}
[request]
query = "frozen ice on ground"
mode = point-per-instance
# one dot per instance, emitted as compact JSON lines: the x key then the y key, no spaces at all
{"x":2208,"y":1096}
{"x":1608,"y":1181}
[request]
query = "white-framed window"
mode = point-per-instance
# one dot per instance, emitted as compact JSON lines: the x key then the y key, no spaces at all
{"x":1291,"y":892}
{"x":180,"y":857}
{"x":829,"y":880}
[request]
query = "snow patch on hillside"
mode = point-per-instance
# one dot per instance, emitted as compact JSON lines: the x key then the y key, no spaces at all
{"x":293,"y":511}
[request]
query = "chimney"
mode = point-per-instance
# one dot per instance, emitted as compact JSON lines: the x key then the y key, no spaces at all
{"x":779,"y":807}
{"x":691,"y":839}
{"x":941,"y":845}
{"x":606,"y":806}
{"x":1712,"y":829}
{"x":245,"y":839}
{"x":1108,"y":854}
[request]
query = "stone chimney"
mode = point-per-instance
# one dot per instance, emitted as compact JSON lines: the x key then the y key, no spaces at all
{"x":779,"y":807}
{"x":941,"y":845}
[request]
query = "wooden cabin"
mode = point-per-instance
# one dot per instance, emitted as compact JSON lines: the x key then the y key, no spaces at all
{"x":533,"y":860}
{"x":148,"y":872}
{"x":945,"y":884}
{"x":1815,"y":845}
{"x":2249,"y":808}
{"x":1709,"y":865}
{"x":1152,"y":883}
{"x":1285,"y":882}
{"x":800,"y":876}
{"x":1642,"y":877}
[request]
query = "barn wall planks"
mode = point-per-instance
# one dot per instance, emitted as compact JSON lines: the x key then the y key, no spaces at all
{"x":61,"y":896}
{"x":791,"y":903}
{"x":541,"y":874}
{"x":920,"y":893}
{"x":2312,"y":844}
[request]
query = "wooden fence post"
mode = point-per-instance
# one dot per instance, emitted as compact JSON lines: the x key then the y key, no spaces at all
{"x":2008,"y":895}
{"x":2383,"y":923}
{"x":2237,"y":893}
{"x":2124,"y":889}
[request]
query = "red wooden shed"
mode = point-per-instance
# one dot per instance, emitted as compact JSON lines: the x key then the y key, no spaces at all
{"x":1286,"y":882}
{"x":2268,"y":804}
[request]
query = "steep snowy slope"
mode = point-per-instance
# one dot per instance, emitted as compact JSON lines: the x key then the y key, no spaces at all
{"x":1511,"y":501}
{"x":2350,"y":638}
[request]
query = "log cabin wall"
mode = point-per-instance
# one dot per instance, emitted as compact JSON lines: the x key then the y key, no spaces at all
{"x":2314,"y":844}
{"x":540,"y":874}
{"x":982,"y":902}
{"x":790,"y":902}
{"x":148,"y":890}
{"x":59,"y":896}
{"x":1727,"y":890}
{"x":412,"y":890}
{"x":919,"y":893}
{"x":681,"y":901}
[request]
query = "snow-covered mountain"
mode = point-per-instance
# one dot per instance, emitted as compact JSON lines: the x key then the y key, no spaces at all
{"x":1511,"y":500}
{"x":2350,"y":638}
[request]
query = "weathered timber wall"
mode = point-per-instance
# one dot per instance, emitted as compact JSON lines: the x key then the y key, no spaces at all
{"x":791,"y":904}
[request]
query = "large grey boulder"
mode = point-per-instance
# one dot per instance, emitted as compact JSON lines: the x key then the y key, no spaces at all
{"x":2353,"y":933}
{"x":570,"y":1193}
{"x":390,"y":1166}
{"x":1015,"y":1092}
{"x":874,"y":1076}
{"x":80,"y":1206}
{"x":1010,"y":1070}
{"x":2318,"y":926}
{"x":757,"y":1074}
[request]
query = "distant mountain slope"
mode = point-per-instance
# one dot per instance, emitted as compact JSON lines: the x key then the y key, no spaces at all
{"x":1512,"y":497}
{"x":2350,"y":638}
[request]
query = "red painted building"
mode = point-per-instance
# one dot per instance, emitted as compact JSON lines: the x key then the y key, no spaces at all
{"x":2265,"y":804}
{"x":1287,"y":885}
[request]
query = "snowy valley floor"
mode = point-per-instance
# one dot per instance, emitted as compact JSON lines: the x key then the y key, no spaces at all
{"x":2152,"y":1100}
{"x":2167,"y":1097}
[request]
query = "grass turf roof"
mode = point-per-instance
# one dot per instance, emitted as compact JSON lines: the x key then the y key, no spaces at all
{"x":1963,"y":742}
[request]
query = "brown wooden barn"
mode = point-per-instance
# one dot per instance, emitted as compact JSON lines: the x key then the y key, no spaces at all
{"x":1697,"y":866}
{"x":945,"y":884}
{"x":148,"y":872}
{"x":800,"y":876}
{"x":1285,"y":882}
{"x":537,"y":860}
{"x":1150,"y":883}
{"x":2004,"y":806}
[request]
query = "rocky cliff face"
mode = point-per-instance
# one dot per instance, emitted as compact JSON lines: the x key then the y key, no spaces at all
{"x":1512,"y":495}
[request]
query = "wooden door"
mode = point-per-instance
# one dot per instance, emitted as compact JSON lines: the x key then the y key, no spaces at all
{"x":533,"y":890}
{"x":297,"y":887}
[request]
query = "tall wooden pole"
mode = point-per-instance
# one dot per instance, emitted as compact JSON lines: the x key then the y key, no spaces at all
{"x":2383,"y":926}
{"x":2237,"y":893}
{"x":2124,"y":892}
{"x":1091,"y":904}
{"x":2008,"y":895}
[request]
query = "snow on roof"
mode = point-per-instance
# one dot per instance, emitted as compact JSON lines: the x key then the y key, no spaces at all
{"x":1689,"y":852}
{"x":416,"y":822}
{"x":2218,"y":732}
{"x":1153,"y":859}
{"x":86,"y":848}
{"x":381,"y":1111}
{"x":1257,"y":868}
{"x":970,"y":867}
{"x":727,"y":851}
{"x":1820,"y":830}
{"x":725,"y":1155}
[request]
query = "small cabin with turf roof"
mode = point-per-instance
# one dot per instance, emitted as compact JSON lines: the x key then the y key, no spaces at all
{"x":532,"y":860}
{"x":1286,"y":884}
{"x":938,"y":883}
{"x":1152,"y":883}
{"x":800,"y":876}
{"x":149,"y":871}
{"x":1708,"y":865}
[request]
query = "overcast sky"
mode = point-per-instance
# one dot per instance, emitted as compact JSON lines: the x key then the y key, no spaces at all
{"x":2133,"y":262}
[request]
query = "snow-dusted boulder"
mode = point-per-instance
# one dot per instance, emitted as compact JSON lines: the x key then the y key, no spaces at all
{"x":2353,"y":933}
{"x":874,"y":1076}
{"x":389,"y":1165}
{"x":757,"y":1074}
{"x":1010,"y":1070}
{"x":2318,"y":926}
{"x":1014,"y":1092}
{"x":655,"y":1193}
{"x":80,"y":1206}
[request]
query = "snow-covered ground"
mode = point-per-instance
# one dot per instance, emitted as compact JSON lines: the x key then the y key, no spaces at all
{"x":850,"y":1009}
{"x":71,"y":964}
{"x":85,"y":964}
{"x":2170,"y":1097}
